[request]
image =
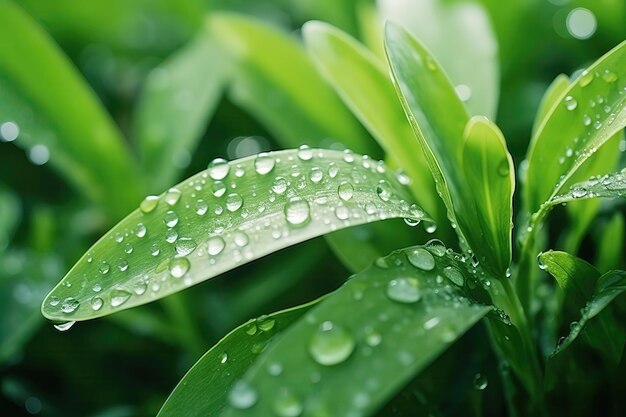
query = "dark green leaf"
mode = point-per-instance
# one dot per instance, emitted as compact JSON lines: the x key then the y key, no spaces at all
{"x":610,"y":253}
{"x":608,"y":186}
{"x":10,"y":214}
{"x":552,"y":96}
{"x":223,"y":217}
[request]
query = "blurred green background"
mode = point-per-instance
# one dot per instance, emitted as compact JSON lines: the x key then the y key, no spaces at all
{"x":62,"y":184}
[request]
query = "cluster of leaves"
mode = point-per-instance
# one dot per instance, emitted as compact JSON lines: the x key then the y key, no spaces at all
{"x":359,"y":349}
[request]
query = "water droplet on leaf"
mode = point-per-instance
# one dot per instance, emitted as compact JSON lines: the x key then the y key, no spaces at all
{"x":331,"y":344}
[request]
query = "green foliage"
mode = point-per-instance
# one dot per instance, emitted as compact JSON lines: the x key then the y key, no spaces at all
{"x":125,"y":102}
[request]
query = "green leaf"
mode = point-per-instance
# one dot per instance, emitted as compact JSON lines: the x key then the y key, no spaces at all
{"x":360,"y":345}
{"x":88,"y":150}
{"x":609,"y":286}
{"x":607,"y":186}
{"x":277,"y":83}
{"x":577,"y":279}
{"x":554,"y":93}
{"x":610,"y":254}
{"x":178,"y":99}
{"x":439,"y":121}
{"x":460,"y":37}
{"x":362,"y":81}
{"x":591,"y":111}
{"x":203,"y":390}
{"x":489,"y":173}
{"x":10,"y":214}
{"x":223,"y":217}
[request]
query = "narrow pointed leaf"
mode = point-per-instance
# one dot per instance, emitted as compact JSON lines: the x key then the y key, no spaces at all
{"x":363,"y":82}
{"x":203,"y":391}
{"x":223,"y":217}
{"x":10,"y":214}
{"x":489,"y":171}
{"x":550,"y":98}
{"x":607,"y":186}
{"x":591,"y":111}
{"x":88,"y":150}
{"x":390,"y":320}
{"x":461,"y":38}
{"x":177,"y":101}
{"x":296,"y":105}
{"x":610,"y":254}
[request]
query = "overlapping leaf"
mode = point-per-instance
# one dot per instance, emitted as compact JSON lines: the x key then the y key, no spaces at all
{"x":223,"y":217}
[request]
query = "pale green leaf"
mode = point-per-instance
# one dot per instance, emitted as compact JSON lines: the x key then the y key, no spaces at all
{"x":607,"y":186}
{"x":223,"y":217}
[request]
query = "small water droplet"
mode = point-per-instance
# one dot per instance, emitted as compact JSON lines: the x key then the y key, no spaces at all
{"x":297,"y":211}
{"x":480,"y":382}
{"x":570,"y":103}
{"x":149,"y":204}
{"x":104,"y":268}
{"x":436,"y":246}
{"x":223,"y":357}
{"x":172,"y":196}
{"x":454,"y":275}
{"x":345,"y":191}
{"x":274,"y":369}
{"x":333,"y":170}
{"x":69,"y":305}
{"x":280,"y":185}
{"x":96,"y":303}
{"x":503,"y":168}
{"x":264,"y":164}
{"x":316,"y":175}
{"x":178,"y":267}
{"x":119,"y":296}
{"x":305,"y":153}
{"x":404,"y":290}
{"x":422,"y":259}
{"x":348,"y":156}
{"x":171,"y":236}
{"x":402,"y":177}
{"x":233,"y":202}
{"x":62,"y":327}
{"x":170,"y":219}
{"x":218,"y":168}
{"x":287,"y":404}
{"x":218,"y":188}
{"x":242,"y":396}
{"x":201,"y":207}
{"x":331,"y":344}
{"x":140,"y":287}
{"x":241,"y":239}
{"x":383,"y":190}
{"x":185,"y":245}
{"x":141,"y":230}
{"x":609,"y":76}
{"x":54,"y":301}
{"x":342,"y":213}
{"x":266,"y":323}
{"x":215,"y":245}
{"x":122,"y":264}
{"x":586,"y":78}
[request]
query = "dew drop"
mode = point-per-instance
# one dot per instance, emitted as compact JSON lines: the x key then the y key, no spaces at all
{"x":141,"y":230}
{"x":119,"y":297}
{"x":122,"y":264}
{"x":233,"y":202}
{"x":54,"y":301}
{"x":274,"y":369}
{"x":422,"y":259}
{"x":172,"y":196}
{"x":609,"y":76}
{"x":201,"y":207}
{"x":404,"y":290}
{"x":215,"y":245}
{"x":178,"y":267}
{"x":185,"y":245}
{"x":218,"y":188}
{"x":342,"y":213}
{"x":436,"y":246}
{"x":402,"y":177}
{"x":503,"y":168}
{"x":62,"y":327}
{"x":348,"y":156}
{"x":104,"y":268}
{"x":96,"y":303}
{"x":264,"y":164}
{"x":383,"y":190}
{"x":266,"y":323}
{"x":140,"y":288}
{"x":570,"y":103}
{"x":241,"y":239}
{"x":170,"y":219}
{"x":218,"y":168}
{"x":345,"y":191}
{"x":286,"y":404}
{"x":586,"y":78}
{"x":316,"y":175}
{"x":305,"y":153}
{"x":333,"y":170}
{"x":171,"y":236}
{"x":280,"y":185}
{"x":242,"y":396}
{"x":223,"y":357}
{"x":149,"y":204}
{"x":297,"y":211}
{"x":370,"y":208}
{"x":480,"y":382}
{"x":454,"y":275}
{"x":331,"y":344}
{"x":69,"y":305}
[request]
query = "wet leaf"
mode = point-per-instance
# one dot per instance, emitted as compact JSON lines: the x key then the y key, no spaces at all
{"x":607,"y":186}
{"x":551,"y":97}
{"x":610,"y":253}
{"x":223,"y":217}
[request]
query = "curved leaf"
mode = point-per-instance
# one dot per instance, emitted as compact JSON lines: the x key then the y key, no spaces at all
{"x":276,"y":81}
{"x":461,"y":38}
{"x":223,"y":217}
{"x":439,"y":121}
{"x":610,"y":253}
{"x":552,"y":95}
{"x":608,"y":186}
{"x":178,"y":99}
{"x":361,"y":344}
{"x":203,"y":390}
{"x":89,"y":149}
{"x":489,"y":172}
{"x":591,"y":111}
{"x":362,"y":81}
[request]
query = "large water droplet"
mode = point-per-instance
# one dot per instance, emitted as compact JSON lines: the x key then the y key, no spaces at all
{"x":586,"y":78}
{"x":96,"y":303}
{"x":242,"y":396}
{"x":215,"y":245}
{"x":149,"y":203}
{"x":345,"y":191}
{"x":404,"y":290}
{"x":316,"y":175}
{"x":264,"y":164}
{"x":170,"y":236}
{"x":141,"y":230}
{"x":331,"y":344}
{"x":297,"y":211}
{"x":170,"y":219}
{"x":69,"y":305}
{"x":241,"y":239}
{"x":454,"y":275}
{"x":233,"y":202}
{"x":342,"y":213}
{"x":609,"y":76}
{"x":421,"y":258}
{"x":218,"y":168}
{"x":305,"y":153}
{"x":570,"y":103}
{"x":218,"y":188}
{"x":119,"y":296}
{"x":179,"y":266}
{"x":287,"y":404}
{"x":62,"y":327}
{"x":201,"y":207}
{"x":172,"y":196}
{"x":383,"y":190}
